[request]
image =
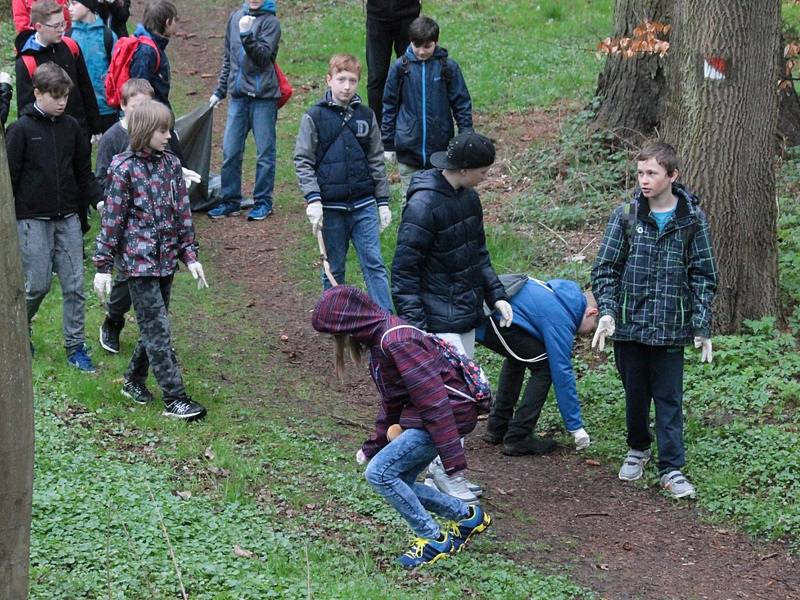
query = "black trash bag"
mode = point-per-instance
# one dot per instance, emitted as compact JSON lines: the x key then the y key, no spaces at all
{"x":194,"y":133}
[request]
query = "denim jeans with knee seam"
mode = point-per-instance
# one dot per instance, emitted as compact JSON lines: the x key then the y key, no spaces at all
{"x":245,"y":114}
{"x":393,"y":471}
{"x":362,"y":226}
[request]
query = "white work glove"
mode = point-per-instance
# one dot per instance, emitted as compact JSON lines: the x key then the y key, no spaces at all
{"x":361,"y":458}
{"x":605,"y":327}
{"x":191,"y":176}
{"x":245,"y":23}
{"x":95,"y":138}
{"x":506,"y":314}
{"x":314,"y":214}
{"x":196,"y":269}
{"x":390,"y":157}
{"x":5,"y":77}
{"x":582,"y":439}
{"x":102,"y":285}
{"x":214,"y":100}
{"x":385,"y":214}
{"x":704,"y":343}
{"x":100,"y":206}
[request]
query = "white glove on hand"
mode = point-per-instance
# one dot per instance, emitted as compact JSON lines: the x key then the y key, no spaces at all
{"x":390,"y":157}
{"x":196,"y":269}
{"x":506,"y":314}
{"x":706,"y":354}
{"x":102,"y":285}
{"x":191,"y":176}
{"x":385,"y":214}
{"x":361,"y":458}
{"x":95,"y":138}
{"x":245,"y":23}
{"x":5,"y":77}
{"x":214,"y":100}
{"x":314,"y":214}
{"x":605,"y":326}
{"x":100,"y":206}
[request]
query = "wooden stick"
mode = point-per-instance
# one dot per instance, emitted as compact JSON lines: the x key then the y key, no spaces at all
{"x":326,"y":266}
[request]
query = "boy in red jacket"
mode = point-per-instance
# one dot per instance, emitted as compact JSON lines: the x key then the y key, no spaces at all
{"x":430,"y":399}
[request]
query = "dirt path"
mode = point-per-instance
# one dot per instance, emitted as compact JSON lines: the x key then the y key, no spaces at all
{"x":572,"y":518}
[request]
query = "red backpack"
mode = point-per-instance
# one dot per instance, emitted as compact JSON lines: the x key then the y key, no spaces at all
{"x":283,"y":84}
{"x":119,"y":70}
{"x":29,"y":60}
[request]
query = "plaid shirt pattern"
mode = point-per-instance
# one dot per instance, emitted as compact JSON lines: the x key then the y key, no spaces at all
{"x":147,"y":218}
{"x":658,"y":292}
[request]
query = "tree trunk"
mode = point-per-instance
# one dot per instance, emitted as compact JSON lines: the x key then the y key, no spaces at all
{"x":630,"y":89}
{"x":721,"y":115}
{"x":16,"y":404}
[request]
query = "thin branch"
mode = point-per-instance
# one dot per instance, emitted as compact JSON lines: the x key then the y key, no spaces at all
{"x":169,"y":544}
{"x":308,"y":572}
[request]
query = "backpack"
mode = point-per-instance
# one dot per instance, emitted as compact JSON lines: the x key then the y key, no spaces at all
{"x":474,"y":377}
{"x":629,"y":219}
{"x":285,"y":87}
{"x":119,"y":69}
{"x":405,"y":69}
{"x":29,"y":60}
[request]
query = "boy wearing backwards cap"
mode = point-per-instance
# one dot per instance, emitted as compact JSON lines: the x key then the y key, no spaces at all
{"x":441,"y":272}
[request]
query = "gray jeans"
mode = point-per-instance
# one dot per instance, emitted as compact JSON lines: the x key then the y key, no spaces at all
{"x":55,"y":245}
{"x":406,"y":173}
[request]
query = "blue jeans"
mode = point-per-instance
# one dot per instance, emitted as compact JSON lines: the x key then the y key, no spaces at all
{"x":393,"y":471}
{"x":245,"y":114}
{"x":363,"y":227}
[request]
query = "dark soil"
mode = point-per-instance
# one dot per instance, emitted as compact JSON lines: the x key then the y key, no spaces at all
{"x":572,"y":516}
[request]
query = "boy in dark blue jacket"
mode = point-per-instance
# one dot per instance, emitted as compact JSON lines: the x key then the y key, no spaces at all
{"x":159,"y":23}
{"x":248,"y":73}
{"x":547,"y":316}
{"x":338,"y":157}
{"x":424,"y":92}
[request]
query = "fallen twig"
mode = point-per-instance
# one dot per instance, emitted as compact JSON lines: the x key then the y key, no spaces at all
{"x":169,"y":544}
{"x":346,"y":421}
{"x":593,"y":514}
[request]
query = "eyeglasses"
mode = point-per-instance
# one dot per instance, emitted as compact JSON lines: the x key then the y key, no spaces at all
{"x":60,"y":26}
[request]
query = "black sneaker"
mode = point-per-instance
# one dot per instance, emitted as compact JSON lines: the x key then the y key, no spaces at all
{"x":530,"y":445}
{"x":137,"y":392}
{"x":186,"y":409}
{"x":493,"y":437}
{"x":109,"y":334}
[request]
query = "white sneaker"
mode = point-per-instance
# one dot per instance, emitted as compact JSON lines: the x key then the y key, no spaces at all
{"x":454,"y":486}
{"x":582,"y":439}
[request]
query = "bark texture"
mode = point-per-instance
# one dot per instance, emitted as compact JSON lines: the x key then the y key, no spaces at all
{"x":16,"y":404}
{"x":724,"y":131}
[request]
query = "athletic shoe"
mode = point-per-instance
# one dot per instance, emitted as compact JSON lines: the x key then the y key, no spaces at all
{"x":453,"y":486}
{"x":529,"y":446}
{"x":633,"y":466}
{"x":224,"y":209}
{"x":137,"y":392}
{"x":493,"y":437}
{"x":582,"y":439}
{"x":109,"y":334}
{"x":424,"y":551}
{"x":677,"y":485}
{"x":80,"y":359}
{"x":259,"y":212}
{"x":476,"y":522}
{"x":186,"y":409}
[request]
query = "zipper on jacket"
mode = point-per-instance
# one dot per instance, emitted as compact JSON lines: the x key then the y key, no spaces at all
{"x":424,"y":117}
{"x":58,"y":172}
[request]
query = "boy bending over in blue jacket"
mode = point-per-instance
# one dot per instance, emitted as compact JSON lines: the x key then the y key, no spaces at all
{"x":547,"y":316}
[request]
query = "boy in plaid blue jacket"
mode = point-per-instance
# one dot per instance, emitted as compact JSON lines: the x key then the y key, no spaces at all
{"x":654,"y":280}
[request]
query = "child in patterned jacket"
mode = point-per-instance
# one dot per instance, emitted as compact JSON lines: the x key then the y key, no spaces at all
{"x":147,"y":221}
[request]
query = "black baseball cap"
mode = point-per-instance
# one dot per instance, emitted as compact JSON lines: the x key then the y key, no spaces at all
{"x":465,"y":151}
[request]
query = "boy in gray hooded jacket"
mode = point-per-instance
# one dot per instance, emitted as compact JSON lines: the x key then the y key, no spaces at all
{"x":251,"y":46}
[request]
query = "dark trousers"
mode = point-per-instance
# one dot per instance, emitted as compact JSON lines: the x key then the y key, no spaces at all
{"x":150,"y":296}
{"x":653,"y":372}
{"x":518,"y":424}
{"x":119,"y":301}
{"x":382,"y":36}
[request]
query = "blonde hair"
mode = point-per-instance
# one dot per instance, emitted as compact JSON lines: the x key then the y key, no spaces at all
{"x":135,"y":86}
{"x":345,"y":344}
{"x":144,"y":120}
{"x":344,"y":62}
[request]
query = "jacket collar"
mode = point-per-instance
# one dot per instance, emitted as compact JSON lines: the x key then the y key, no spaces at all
{"x":687,"y":202}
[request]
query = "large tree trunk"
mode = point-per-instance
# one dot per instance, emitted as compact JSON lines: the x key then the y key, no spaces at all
{"x":631,"y":89}
{"x":16,"y":404}
{"x":721,"y":114}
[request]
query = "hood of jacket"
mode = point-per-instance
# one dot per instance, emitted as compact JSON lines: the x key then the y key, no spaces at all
{"x":328,"y":101}
{"x":160,"y":40}
{"x":268,"y":6}
{"x":687,"y":206}
{"x":571,"y":297}
{"x":82,"y":26}
{"x":26,"y":42}
{"x":346,"y":310}
{"x":431,"y":180}
{"x":438,"y":54}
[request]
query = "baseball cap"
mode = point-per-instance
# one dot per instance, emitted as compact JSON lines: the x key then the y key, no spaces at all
{"x":465,"y":151}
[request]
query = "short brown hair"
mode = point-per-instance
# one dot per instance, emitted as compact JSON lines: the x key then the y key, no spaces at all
{"x":145,"y":120}
{"x":51,"y":79}
{"x":135,"y":86}
{"x":664,"y":154}
{"x":344,"y":62}
{"x":41,"y":11}
{"x":157,"y":13}
{"x":423,"y":30}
